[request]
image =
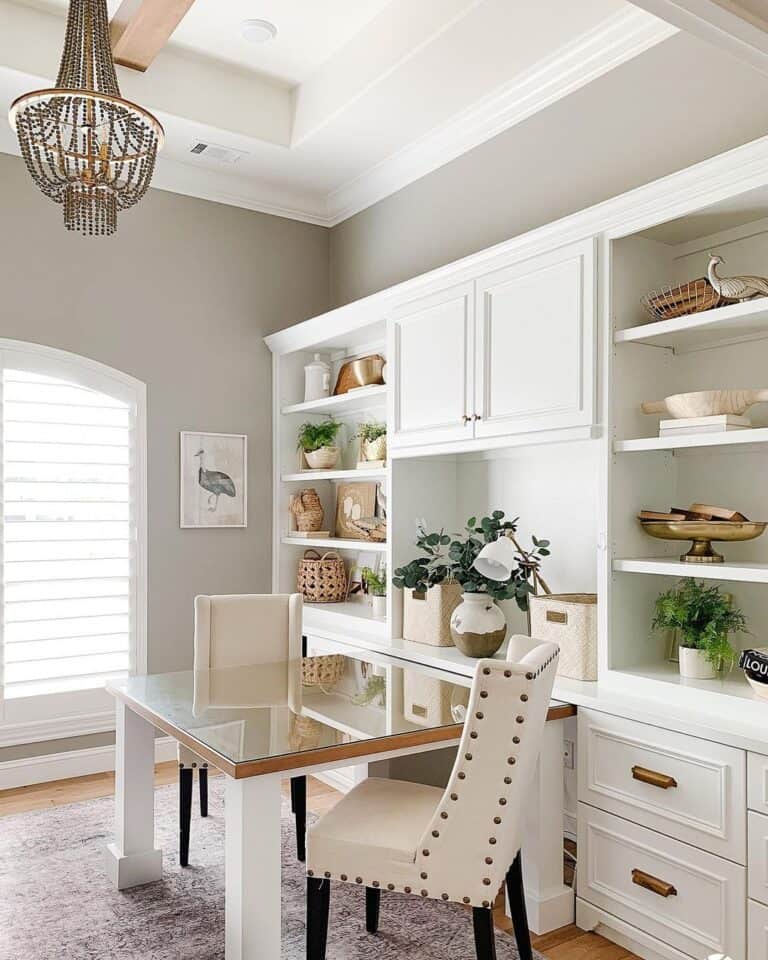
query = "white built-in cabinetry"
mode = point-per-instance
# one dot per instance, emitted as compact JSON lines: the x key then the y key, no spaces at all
{"x":515,"y":379}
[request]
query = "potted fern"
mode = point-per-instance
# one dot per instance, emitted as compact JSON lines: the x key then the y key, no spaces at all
{"x":703,"y":617}
{"x":317,"y":441}
{"x":373,"y":441}
{"x":377,"y":586}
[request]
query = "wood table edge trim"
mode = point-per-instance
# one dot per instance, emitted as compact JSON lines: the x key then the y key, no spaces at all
{"x":319,"y":755}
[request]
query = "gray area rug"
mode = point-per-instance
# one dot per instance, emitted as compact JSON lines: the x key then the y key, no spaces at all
{"x":56,"y":901}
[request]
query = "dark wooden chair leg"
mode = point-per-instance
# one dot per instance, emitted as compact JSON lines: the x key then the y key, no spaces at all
{"x":299,"y":803}
{"x":186,"y":775}
{"x":318,"y":905}
{"x":203,"y":774}
{"x":516,"y":896}
{"x":372,"y":905}
{"x":485,"y":937}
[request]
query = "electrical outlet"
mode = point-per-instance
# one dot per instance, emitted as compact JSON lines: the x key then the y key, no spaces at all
{"x":569,"y":754}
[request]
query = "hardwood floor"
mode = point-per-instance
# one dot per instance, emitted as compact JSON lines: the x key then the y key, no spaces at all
{"x":568,"y":943}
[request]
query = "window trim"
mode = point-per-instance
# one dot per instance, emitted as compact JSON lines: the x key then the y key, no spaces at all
{"x":77,"y":713}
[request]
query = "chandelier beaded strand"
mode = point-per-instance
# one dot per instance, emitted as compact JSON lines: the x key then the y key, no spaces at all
{"x":84,"y":145}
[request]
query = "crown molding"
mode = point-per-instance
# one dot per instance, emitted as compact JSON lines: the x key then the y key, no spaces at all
{"x":618,"y":39}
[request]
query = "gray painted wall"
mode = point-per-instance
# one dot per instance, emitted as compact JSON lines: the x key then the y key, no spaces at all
{"x":180,"y":298}
{"x":678,"y":103}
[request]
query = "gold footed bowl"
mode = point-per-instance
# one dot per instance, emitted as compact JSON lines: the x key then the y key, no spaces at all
{"x":703,"y":533}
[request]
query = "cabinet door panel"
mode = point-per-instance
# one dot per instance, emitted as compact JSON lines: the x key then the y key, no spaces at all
{"x":535,"y":344}
{"x":432,"y":347}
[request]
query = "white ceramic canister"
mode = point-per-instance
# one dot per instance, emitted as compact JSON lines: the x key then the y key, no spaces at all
{"x":317,"y":379}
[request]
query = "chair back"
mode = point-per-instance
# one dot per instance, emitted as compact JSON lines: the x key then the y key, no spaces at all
{"x":477,"y":829}
{"x":245,"y":630}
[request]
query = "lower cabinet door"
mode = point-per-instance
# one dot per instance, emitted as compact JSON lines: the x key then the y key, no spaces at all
{"x":689,"y":899}
{"x":757,"y":930}
{"x":758,"y":857}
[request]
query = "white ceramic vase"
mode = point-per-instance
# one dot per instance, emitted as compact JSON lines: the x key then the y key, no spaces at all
{"x":323,"y":459}
{"x":379,"y":607}
{"x":478,"y":627}
{"x":694,"y":665}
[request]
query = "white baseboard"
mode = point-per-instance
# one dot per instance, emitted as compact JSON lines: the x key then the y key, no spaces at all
{"x":624,"y":934}
{"x":343,"y":778}
{"x":70,"y":763}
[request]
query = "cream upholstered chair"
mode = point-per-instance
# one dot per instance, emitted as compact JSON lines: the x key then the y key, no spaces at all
{"x":458,"y":844}
{"x":237,"y":631}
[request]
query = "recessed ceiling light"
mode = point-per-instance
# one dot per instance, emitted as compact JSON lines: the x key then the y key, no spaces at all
{"x":258,"y":31}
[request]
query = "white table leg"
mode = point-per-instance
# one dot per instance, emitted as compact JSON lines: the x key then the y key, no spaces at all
{"x":550,"y":903}
{"x":132,"y":859}
{"x":252,"y":873}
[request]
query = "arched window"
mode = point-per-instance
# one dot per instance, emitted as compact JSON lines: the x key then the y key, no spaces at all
{"x":73,"y":539}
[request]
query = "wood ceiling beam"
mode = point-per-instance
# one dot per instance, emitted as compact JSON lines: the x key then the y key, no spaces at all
{"x":141,"y":28}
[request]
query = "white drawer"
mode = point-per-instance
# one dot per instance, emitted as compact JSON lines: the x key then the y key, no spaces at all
{"x":757,"y":859}
{"x":687,"y":788}
{"x":757,"y":930}
{"x":757,"y":782}
{"x":699,"y":906}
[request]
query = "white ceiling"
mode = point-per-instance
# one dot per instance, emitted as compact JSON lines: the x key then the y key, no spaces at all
{"x":353,"y":100}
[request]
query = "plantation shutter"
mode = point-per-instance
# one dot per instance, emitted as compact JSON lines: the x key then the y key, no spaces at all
{"x":69,"y":534}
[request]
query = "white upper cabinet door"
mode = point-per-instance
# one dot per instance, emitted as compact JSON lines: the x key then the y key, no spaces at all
{"x":432,"y":342}
{"x":535,"y":353}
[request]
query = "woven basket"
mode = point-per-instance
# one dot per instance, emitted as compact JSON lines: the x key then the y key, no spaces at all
{"x":322,"y":579}
{"x":427,"y":616}
{"x":681,"y":300}
{"x":322,"y":671}
{"x":307,"y":510}
{"x":570,"y":621}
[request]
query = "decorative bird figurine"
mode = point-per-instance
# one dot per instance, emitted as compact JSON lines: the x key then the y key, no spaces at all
{"x":735,"y":288}
{"x":214,"y":482}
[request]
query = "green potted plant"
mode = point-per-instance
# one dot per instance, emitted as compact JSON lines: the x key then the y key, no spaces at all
{"x":377,"y":586}
{"x":373,"y":441}
{"x":476,"y":623}
{"x":318,"y":443}
{"x":703,"y":616}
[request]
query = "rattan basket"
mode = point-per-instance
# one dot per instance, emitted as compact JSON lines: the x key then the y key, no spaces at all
{"x":322,"y":671}
{"x":681,"y":300}
{"x":322,"y":579}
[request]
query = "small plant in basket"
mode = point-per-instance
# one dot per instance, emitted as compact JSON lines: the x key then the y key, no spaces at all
{"x":373,"y":441}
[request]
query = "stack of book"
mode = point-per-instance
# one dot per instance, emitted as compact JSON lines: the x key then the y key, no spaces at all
{"x":691,"y":425}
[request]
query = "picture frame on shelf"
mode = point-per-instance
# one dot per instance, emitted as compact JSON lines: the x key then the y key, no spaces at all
{"x":354,"y":501}
{"x":357,"y":591}
{"x":213,"y":480}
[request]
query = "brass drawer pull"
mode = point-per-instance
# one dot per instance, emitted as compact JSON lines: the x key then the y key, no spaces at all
{"x":661,"y":780}
{"x":660,"y":887}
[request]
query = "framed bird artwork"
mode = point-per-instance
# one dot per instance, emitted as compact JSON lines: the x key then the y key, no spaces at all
{"x":213,"y":479}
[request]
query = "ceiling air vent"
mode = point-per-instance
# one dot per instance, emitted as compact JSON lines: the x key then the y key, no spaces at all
{"x":212,"y":151}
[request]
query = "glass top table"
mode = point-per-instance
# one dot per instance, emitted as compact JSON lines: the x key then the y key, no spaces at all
{"x":263,"y":723}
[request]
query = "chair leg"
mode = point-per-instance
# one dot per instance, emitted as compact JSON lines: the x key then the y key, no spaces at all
{"x":185,"y":812}
{"x":372,"y":904}
{"x":516,"y":896}
{"x":299,"y":805}
{"x":485,"y":937}
{"x":318,"y":905}
{"x":203,"y":775}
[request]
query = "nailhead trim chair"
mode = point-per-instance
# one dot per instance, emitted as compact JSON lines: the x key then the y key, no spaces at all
{"x":456,"y":845}
{"x":244,"y":630}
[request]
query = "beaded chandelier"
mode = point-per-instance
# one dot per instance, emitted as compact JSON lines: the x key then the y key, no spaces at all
{"x":85,"y":147}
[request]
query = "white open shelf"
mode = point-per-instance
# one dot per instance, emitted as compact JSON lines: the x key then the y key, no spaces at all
{"x":342,"y":713}
{"x":335,"y":543}
{"x":361,"y":399}
{"x":733,"y":438}
{"x":348,"y":622}
{"x":670,"y":567}
{"x":362,"y":475}
{"x":737,"y":321}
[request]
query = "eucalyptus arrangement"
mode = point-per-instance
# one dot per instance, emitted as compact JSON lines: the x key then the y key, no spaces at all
{"x":450,"y":558}
{"x":703,"y":617}
{"x":318,"y":441}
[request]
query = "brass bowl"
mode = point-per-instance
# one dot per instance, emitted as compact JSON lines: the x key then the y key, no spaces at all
{"x":362,"y":372}
{"x":702,"y":533}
